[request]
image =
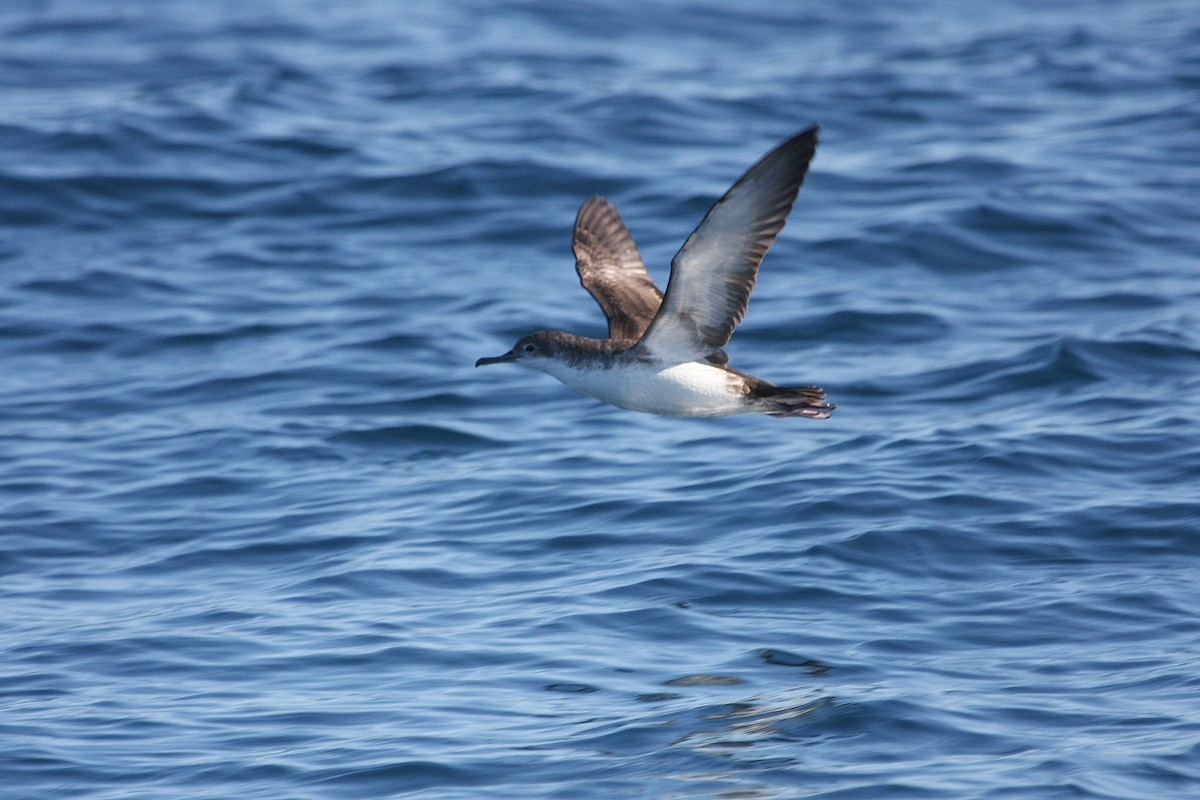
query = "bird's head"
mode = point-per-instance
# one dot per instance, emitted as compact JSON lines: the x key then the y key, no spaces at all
{"x":531,"y":350}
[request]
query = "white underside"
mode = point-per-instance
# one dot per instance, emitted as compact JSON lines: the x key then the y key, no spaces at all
{"x":691,"y":389}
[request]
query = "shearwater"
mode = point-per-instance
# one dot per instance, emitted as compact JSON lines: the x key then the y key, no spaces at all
{"x":664,"y":352}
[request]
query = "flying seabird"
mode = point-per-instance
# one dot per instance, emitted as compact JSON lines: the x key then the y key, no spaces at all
{"x":665,"y":352}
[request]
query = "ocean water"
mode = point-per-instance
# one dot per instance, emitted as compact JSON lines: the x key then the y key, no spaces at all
{"x":266,"y":533}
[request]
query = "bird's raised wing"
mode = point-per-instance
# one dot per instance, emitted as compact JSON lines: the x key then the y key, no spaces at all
{"x":714,"y":271}
{"x":611,"y":269}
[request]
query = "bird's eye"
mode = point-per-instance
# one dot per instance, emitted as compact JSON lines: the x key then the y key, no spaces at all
{"x":529,"y":348}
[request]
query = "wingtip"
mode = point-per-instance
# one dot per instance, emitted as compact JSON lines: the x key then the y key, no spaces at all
{"x":594,"y":200}
{"x":809,"y":137}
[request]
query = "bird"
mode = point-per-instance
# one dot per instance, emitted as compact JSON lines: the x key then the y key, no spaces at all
{"x":665,"y":351}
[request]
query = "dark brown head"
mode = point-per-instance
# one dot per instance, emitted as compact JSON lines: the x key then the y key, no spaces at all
{"x":531,"y":349}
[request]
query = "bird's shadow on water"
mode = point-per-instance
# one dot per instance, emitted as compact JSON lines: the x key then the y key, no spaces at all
{"x":712,"y":732}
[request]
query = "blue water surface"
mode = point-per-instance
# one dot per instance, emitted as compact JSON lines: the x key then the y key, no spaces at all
{"x":266,"y":533}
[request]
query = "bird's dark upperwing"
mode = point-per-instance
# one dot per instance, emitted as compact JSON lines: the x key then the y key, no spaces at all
{"x":611,"y":269}
{"x":714,"y":271}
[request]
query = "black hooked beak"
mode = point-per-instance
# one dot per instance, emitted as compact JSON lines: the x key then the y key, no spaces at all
{"x":511,"y":355}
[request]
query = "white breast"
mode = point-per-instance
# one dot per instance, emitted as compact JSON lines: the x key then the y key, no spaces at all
{"x":691,"y":389}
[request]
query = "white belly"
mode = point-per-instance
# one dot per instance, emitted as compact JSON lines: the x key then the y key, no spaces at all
{"x":681,"y":390}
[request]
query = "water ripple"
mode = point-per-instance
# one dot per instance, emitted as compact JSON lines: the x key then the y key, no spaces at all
{"x":267,"y":533}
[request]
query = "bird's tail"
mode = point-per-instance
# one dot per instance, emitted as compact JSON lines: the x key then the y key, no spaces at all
{"x":793,"y":401}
